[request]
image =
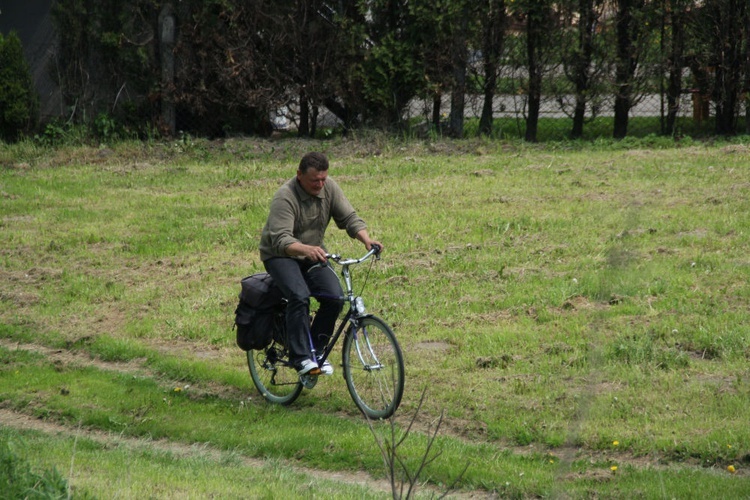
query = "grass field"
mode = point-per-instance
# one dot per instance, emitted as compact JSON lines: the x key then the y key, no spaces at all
{"x":578,"y":313}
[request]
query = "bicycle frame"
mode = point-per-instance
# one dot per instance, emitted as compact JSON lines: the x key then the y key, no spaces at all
{"x":356,"y":309}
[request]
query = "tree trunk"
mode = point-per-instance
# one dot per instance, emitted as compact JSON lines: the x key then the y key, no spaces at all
{"x":436,"y":105}
{"x":485,"y":121}
{"x":458,"y":105}
{"x":458,"y":96}
{"x":303,"y":128}
{"x":728,"y":52}
{"x":582,"y":75}
{"x":167,"y":26}
{"x":314,"y":121}
{"x":626,"y":64}
{"x":344,"y":113}
{"x":676,"y":63}
{"x":534,"y":45}
{"x":747,"y":71}
{"x":493,"y":37}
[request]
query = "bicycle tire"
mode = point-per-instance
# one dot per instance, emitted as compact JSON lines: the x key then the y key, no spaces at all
{"x":276,"y":380}
{"x":373,"y":368}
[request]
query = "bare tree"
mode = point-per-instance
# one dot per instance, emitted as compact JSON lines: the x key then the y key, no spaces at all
{"x":580,"y":65}
{"x":460,"y":54}
{"x":626,"y":61}
{"x":676,"y":17}
{"x":726,"y":19}
{"x":436,"y":21}
{"x":230,"y":73}
{"x":538,"y":24}
{"x":493,"y":20}
{"x":747,"y":72}
{"x":402,"y":478}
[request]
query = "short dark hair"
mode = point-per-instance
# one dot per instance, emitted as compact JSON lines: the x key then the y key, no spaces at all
{"x":315,"y":160}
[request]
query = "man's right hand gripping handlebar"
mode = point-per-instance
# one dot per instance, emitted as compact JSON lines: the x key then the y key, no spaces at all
{"x":377,"y":248}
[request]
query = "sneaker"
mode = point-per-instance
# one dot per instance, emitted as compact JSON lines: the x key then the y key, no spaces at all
{"x":326,"y":368}
{"x":308,"y":366}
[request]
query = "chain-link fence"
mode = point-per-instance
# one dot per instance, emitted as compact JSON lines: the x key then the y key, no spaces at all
{"x":647,"y":116}
{"x":694,"y":117}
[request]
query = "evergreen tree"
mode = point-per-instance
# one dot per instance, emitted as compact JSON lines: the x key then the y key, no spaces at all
{"x":19,"y":103}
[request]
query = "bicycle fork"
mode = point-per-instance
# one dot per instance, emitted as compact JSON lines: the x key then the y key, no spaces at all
{"x":368,"y":367}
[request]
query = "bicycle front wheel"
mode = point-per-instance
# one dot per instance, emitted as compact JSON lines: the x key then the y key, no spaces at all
{"x":373,"y":368}
{"x":273,"y":376}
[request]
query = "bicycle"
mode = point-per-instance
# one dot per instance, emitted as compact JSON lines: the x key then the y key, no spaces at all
{"x":372,"y":361}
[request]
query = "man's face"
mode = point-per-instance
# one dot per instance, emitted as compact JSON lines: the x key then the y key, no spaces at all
{"x":312,"y":181}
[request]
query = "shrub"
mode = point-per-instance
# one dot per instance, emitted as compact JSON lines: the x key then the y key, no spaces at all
{"x":19,"y":103}
{"x":18,"y":480}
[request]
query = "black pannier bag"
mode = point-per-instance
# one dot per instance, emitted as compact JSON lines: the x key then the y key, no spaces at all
{"x":260,"y":300}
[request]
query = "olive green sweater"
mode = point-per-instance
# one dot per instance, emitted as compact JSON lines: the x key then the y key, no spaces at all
{"x":296,"y":216}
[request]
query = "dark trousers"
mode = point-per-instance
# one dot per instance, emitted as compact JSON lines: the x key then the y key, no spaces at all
{"x":298,"y":282}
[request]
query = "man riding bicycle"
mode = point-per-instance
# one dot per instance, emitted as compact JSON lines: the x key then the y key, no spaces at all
{"x":291,"y":243}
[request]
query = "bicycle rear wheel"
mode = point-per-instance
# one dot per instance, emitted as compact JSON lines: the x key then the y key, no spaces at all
{"x":373,"y":368}
{"x":273,"y":376}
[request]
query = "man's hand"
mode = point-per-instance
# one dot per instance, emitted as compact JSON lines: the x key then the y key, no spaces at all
{"x":310,"y":252}
{"x":368,"y":242}
{"x":373,"y":243}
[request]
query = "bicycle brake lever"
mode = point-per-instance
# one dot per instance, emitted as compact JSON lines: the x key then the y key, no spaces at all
{"x":323,"y":264}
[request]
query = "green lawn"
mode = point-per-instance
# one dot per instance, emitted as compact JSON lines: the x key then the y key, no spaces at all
{"x":578,"y":313}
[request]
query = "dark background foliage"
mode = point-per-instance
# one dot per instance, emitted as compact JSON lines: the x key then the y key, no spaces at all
{"x":532,"y":68}
{"x":18,"y":102}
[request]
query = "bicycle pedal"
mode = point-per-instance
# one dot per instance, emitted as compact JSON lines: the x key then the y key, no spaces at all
{"x":308,"y":380}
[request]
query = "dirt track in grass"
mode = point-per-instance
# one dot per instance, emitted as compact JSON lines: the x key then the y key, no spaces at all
{"x":62,"y":357}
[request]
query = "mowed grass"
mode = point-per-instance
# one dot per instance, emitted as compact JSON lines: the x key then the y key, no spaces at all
{"x":578,"y":313}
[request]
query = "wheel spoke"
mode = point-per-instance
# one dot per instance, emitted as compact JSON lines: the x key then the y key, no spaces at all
{"x":273,"y":376}
{"x":373,"y":368}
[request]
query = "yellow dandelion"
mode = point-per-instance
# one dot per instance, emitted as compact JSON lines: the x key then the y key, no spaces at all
{"x":615,"y":443}
{"x":178,"y":389}
{"x":729,"y":446}
{"x":732,"y":469}
{"x":613,"y":469}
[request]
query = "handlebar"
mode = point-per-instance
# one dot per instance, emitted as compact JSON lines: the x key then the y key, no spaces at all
{"x":338,"y":259}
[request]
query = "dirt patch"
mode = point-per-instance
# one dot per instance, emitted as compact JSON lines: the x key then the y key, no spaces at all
{"x":74,"y":358}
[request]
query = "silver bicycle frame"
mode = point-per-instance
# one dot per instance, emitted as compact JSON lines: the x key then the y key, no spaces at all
{"x":354,"y":308}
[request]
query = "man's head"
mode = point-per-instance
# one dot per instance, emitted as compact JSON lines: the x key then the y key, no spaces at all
{"x":313,"y":172}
